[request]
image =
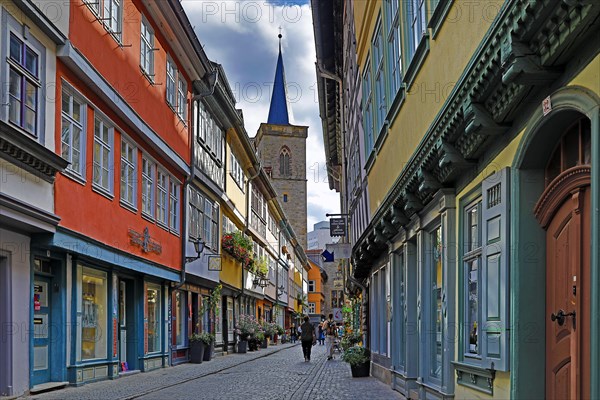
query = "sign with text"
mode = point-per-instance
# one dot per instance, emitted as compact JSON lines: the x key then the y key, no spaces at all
{"x":337,"y":227}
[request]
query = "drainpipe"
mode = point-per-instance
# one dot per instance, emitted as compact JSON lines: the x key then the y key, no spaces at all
{"x":214,"y":74}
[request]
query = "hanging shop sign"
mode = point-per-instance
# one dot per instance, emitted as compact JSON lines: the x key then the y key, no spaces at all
{"x":214,"y":263}
{"x":337,"y":227}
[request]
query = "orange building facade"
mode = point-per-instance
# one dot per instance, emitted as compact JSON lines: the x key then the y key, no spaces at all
{"x":123,"y":91}
{"x":316,"y":296}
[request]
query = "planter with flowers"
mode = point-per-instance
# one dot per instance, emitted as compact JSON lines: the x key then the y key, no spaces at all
{"x":247,"y":326}
{"x":238,"y":246}
{"x":270,"y":329}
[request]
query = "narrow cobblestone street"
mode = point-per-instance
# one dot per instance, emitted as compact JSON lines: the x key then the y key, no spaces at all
{"x":278,"y":372}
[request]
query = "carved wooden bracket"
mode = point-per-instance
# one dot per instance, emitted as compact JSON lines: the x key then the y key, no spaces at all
{"x":522,"y":66}
{"x":479,"y":120}
{"x":398,"y":217}
{"x":412,"y":204}
{"x":429,"y":183}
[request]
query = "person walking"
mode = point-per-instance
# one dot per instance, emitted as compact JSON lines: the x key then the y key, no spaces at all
{"x":330,"y":331}
{"x":308,"y":338}
{"x":294,"y":333}
{"x":321,"y":335}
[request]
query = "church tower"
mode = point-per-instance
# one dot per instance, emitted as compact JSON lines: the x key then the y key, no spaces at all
{"x":281,"y":148}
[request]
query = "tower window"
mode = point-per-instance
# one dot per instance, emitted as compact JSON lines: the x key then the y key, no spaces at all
{"x":284,"y":162}
{"x":285,"y":198}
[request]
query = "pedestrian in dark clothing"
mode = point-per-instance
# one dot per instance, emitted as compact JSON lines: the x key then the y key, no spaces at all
{"x":294,"y":333}
{"x":308,"y":338}
{"x":321,"y":336}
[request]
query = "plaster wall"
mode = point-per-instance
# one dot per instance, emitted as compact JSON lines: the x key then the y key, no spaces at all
{"x":15,"y":248}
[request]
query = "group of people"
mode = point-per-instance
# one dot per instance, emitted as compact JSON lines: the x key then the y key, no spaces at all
{"x":325,"y":333}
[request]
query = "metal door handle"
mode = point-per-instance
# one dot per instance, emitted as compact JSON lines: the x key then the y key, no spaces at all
{"x":560,"y":317}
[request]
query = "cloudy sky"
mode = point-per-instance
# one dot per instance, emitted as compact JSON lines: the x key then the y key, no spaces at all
{"x":242,"y":36}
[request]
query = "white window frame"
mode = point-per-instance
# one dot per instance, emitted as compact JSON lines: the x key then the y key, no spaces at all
{"x":174,"y":204}
{"x":103,"y":164}
{"x":171,"y":84}
{"x":128,"y":177}
{"x":26,"y":77}
{"x":237,"y":173}
{"x":80,"y":152}
{"x":312,"y":286}
{"x":148,"y":193}
{"x":181,"y":97}
{"x":147,"y":49}
{"x":110,"y":15}
{"x":162,"y":197}
{"x":312,"y":308}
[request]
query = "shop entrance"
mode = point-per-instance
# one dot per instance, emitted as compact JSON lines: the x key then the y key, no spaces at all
{"x":127,"y":334}
{"x":42,"y":328}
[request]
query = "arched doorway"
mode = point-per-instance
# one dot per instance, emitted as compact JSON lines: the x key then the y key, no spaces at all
{"x":563,"y":210}
{"x":530,"y":179}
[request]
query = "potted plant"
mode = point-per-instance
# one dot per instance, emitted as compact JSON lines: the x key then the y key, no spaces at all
{"x":197,"y":348}
{"x":255,"y":340}
{"x":359,"y":359}
{"x":209,"y":345}
{"x":245,"y":328}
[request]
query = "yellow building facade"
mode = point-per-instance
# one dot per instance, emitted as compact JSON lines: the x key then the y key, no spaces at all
{"x":473,"y":129}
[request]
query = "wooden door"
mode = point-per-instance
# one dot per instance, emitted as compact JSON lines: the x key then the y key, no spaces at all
{"x":567,"y":297}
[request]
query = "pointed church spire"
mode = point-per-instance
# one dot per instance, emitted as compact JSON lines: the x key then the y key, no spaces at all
{"x":279,"y":110}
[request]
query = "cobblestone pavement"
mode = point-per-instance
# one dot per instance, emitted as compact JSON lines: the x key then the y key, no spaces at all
{"x":278,"y":372}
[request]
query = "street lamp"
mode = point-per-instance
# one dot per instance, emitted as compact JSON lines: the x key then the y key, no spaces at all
{"x":262,"y":282}
{"x":199,"y":247}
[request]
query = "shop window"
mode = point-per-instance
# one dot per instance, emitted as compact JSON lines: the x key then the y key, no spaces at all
{"x":436,"y":289}
{"x":153,"y":308}
{"x":93,"y":286}
{"x":181,"y":315}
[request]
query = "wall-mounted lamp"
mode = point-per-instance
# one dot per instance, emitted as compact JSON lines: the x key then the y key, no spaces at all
{"x":199,"y":247}
{"x":262,"y":282}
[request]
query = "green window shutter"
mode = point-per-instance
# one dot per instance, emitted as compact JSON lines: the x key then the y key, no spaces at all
{"x":495,"y":280}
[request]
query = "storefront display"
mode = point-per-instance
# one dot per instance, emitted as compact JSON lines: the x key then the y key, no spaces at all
{"x":92,"y":284}
{"x":154,"y":333}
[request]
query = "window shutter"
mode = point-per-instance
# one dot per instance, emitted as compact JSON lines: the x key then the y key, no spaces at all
{"x":495,"y":280}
